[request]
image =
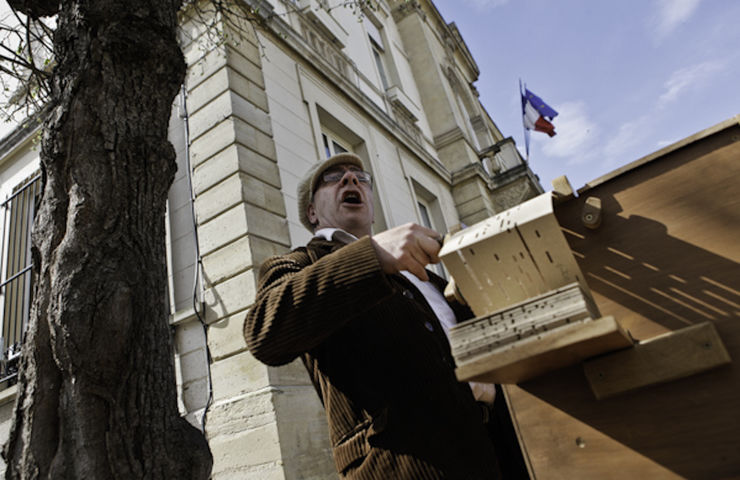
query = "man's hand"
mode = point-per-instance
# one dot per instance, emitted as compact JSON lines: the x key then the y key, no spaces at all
{"x":408,"y":247}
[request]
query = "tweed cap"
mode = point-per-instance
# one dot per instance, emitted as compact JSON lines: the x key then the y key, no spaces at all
{"x":310,"y":181}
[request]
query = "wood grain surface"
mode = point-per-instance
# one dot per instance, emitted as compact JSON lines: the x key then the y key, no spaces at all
{"x":664,"y":257}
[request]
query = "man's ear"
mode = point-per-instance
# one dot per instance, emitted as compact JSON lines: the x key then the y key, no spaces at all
{"x":311,"y":212}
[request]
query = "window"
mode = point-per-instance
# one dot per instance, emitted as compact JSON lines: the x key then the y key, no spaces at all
{"x":425,"y":219}
{"x":16,"y":286}
{"x":424,"y":212}
{"x":333,"y":144}
{"x":378,"y":49}
{"x":378,"y":55}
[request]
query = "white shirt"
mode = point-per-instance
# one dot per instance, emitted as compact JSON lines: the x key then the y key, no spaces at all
{"x":484,"y":392}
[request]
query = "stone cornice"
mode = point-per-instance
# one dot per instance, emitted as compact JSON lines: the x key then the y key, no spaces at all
{"x":449,"y":30}
{"x":463,"y":47}
{"x":493,"y":183}
{"x":470,"y":171}
{"x":263,"y":8}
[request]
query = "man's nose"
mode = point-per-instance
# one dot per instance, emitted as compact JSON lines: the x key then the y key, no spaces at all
{"x":350,"y":177}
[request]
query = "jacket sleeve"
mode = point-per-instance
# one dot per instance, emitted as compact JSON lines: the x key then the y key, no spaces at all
{"x":299,"y":304}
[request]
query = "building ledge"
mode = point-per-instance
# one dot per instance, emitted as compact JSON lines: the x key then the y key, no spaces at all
{"x":8,"y":395}
{"x":403,"y":102}
{"x":21,"y":134}
{"x":315,"y":11}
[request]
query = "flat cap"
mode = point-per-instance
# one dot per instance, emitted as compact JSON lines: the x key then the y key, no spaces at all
{"x":310,"y":181}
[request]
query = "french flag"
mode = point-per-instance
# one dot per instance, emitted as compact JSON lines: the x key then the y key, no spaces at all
{"x":537,"y":114}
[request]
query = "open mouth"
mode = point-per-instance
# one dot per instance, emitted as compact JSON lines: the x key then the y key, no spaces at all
{"x":353,"y":198}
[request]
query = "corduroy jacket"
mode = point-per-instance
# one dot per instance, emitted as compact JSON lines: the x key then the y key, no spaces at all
{"x":379,"y":360}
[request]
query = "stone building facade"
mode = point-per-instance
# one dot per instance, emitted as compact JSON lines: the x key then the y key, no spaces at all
{"x":260,"y":105}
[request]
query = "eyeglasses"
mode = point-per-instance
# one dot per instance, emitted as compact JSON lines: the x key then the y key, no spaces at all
{"x":333,"y":176}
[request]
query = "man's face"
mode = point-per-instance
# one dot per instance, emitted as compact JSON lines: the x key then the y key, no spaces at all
{"x":343,"y":201}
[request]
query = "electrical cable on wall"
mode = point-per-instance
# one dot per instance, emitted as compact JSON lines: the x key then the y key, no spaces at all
{"x":197,"y":276}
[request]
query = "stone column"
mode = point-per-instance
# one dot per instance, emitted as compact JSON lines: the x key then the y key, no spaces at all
{"x":429,"y":62}
{"x":471,"y":193}
{"x":427,"y":57}
{"x":262,"y":423}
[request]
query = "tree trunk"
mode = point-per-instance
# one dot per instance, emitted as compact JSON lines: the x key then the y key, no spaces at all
{"x":96,"y":390}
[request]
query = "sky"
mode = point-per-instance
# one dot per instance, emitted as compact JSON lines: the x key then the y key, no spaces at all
{"x":627,"y":77}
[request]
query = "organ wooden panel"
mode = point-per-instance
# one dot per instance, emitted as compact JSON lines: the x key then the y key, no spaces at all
{"x":665,"y":256}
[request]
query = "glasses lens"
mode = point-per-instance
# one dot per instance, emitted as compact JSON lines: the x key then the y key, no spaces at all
{"x":363,"y":177}
{"x":333,"y":176}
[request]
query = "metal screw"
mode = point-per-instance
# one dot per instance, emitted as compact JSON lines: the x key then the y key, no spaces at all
{"x":580,"y":442}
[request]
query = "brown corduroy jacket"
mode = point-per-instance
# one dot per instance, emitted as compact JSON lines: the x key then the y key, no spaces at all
{"x":379,"y":360}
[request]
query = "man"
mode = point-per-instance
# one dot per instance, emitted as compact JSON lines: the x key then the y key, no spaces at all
{"x":372,"y":344}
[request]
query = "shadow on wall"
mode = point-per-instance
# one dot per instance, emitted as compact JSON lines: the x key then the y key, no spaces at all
{"x":656,"y":280}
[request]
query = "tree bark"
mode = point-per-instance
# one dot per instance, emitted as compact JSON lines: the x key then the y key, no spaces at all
{"x":96,"y":391}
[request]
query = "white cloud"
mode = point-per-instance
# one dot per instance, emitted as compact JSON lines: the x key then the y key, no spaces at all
{"x":629,"y":135}
{"x":672,"y":13}
{"x":683,"y":80}
{"x":483,"y":5}
{"x":576,"y":134}
{"x":633,"y":140}
{"x":635,"y":135}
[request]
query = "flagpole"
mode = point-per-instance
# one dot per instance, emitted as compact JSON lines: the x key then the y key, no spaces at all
{"x":524,"y":127}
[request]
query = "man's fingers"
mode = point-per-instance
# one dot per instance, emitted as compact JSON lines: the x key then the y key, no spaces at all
{"x":417,"y":261}
{"x":426,"y":231}
{"x":431,"y":247}
{"x":408,"y":247}
{"x":417,"y":269}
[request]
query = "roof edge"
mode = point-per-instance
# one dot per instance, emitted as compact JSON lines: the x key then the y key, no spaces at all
{"x":20,"y":135}
{"x":707,"y":132}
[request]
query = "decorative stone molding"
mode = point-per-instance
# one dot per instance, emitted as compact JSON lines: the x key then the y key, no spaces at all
{"x":488,"y":159}
{"x":468,"y":172}
{"x":326,"y":49}
{"x":450,"y":136}
{"x":477,"y":122}
{"x":317,"y":12}
{"x":407,"y":121}
{"x":513,"y":194}
{"x":451,"y":76}
{"x":406,"y":8}
{"x":448,"y":42}
{"x":403,"y":103}
{"x":261,"y":8}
